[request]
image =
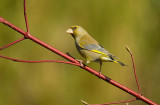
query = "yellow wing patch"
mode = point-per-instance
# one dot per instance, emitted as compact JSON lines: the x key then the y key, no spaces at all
{"x":96,"y":51}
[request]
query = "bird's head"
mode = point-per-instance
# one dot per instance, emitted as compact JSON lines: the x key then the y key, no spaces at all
{"x":76,"y":31}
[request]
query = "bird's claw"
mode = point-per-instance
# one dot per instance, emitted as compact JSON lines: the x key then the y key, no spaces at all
{"x":99,"y":73}
{"x":80,"y":62}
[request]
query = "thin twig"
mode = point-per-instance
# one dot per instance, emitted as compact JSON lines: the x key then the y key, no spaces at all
{"x":109,"y":103}
{"x":134,"y":69}
{"x":25,"y":16}
{"x":12,"y":43}
{"x":41,"y":61}
{"x":84,"y":102}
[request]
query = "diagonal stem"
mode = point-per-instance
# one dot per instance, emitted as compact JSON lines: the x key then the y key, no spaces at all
{"x":12,"y":43}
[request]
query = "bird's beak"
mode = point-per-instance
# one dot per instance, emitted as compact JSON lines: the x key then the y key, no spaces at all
{"x":69,"y":31}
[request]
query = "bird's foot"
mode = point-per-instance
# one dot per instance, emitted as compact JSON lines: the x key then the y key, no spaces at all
{"x":80,"y":62}
{"x":99,"y":73}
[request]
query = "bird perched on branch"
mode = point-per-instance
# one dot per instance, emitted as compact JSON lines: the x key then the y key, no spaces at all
{"x":89,"y":48}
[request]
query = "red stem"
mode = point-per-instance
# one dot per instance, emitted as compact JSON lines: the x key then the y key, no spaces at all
{"x":12,"y":43}
{"x":111,"y":102}
{"x":17,"y":60}
{"x":107,"y":79}
{"x":29,"y":36}
{"x":25,"y":16}
{"x":135,"y":74}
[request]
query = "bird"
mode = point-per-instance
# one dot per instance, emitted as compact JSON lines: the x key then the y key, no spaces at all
{"x":89,"y":48}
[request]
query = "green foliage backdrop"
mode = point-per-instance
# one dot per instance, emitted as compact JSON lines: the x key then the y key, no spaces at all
{"x":114,"y":23}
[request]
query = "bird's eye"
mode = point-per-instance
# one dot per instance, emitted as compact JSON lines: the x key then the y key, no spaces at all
{"x":74,"y":28}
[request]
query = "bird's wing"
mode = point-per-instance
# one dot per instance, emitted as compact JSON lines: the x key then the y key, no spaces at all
{"x":96,"y":48}
{"x":88,"y":43}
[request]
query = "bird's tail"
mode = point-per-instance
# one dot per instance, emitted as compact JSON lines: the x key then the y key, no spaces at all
{"x":122,"y":64}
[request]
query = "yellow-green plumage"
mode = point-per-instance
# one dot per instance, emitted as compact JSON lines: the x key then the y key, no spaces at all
{"x":89,"y":48}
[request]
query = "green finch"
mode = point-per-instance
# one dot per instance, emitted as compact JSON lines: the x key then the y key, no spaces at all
{"x":89,"y":48}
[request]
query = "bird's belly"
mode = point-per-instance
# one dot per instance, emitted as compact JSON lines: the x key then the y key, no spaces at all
{"x":89,"y":55}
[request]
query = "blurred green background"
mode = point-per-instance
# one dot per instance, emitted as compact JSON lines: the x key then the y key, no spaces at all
{"x":113,"y":23}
